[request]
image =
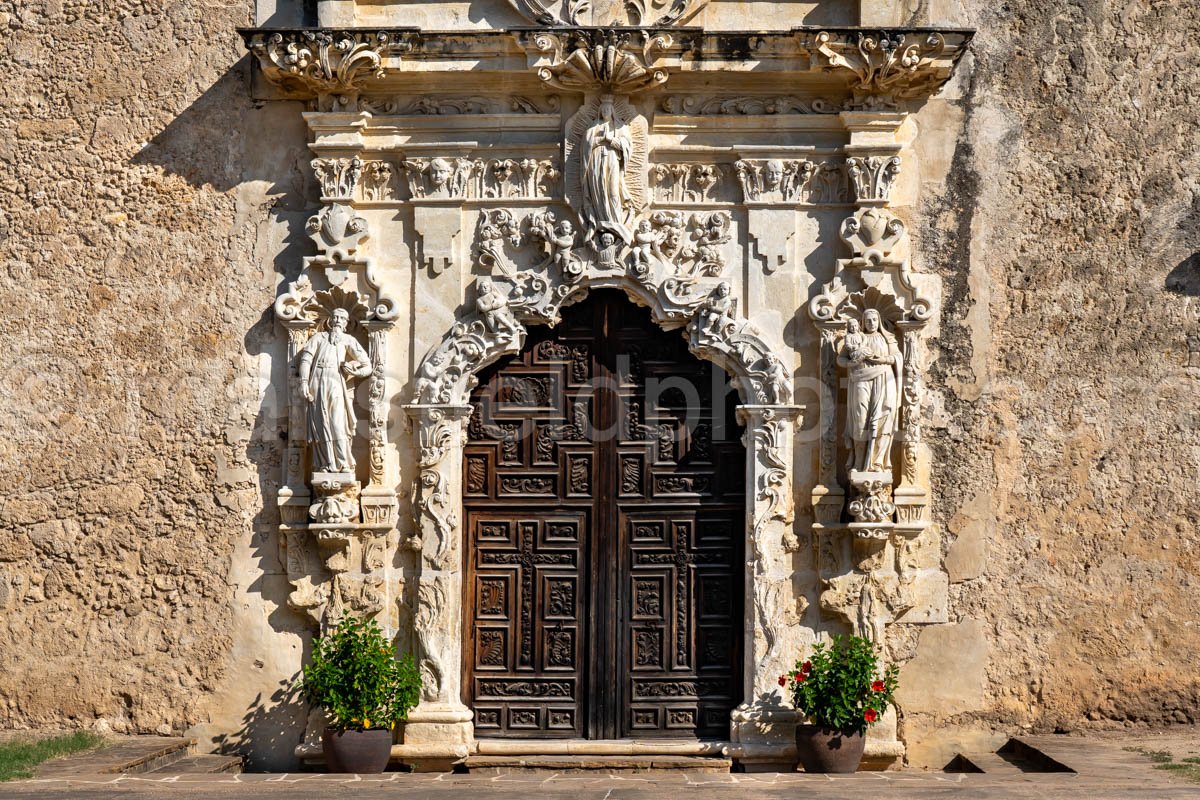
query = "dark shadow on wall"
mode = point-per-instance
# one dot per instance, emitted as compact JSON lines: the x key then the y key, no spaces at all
{"x":224,"y":140}
{"x":1185,"y":278}
{"x":273,"y":727}
{"x":256,"y":154}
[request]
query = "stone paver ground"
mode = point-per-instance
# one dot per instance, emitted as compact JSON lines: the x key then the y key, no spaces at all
{"x":1106,"y":771}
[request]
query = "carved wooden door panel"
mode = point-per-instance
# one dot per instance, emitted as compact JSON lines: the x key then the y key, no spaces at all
{"x":603,"y":507}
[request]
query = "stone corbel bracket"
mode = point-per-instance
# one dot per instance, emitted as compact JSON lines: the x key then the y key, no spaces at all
{"x":331,"y":66}
{"x":884,"y":68}
{"x":615,"y":60}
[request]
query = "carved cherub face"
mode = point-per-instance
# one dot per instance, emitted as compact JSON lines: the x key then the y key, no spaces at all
{"x":644,"y":226}
{"x":439,"y":172}
{"x":774,"y":173}
{"x":722,"y":289}
{"x":485,"y":285}
{"x":565,"y":227}
{"x":871,"y":321}
{"x":607,"y":240}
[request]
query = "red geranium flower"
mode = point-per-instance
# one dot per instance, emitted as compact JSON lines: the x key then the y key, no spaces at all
{"x":799,"y":676}
{"x":869,"y":715}
{"x":877,"y":686}
{"x":783,"y":680}
{"x":807,"y":667}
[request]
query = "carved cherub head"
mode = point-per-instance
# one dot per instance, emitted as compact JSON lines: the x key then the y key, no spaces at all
{"x":565,"y":228}
{"x":439,"y":172}
{"x":644,"y":226}
{"x":484,"y":286}
{"x":722,"y":289}
{"x":607,"y":239}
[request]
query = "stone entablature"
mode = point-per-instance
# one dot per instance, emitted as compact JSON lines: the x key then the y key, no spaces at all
{"x":455,"y":214}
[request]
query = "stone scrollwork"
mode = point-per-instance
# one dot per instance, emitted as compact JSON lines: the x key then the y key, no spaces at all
{"x":887,"y":67}
{"x":751,"y":105}
{"x":872,"y":177}
{"x":331,"y":65}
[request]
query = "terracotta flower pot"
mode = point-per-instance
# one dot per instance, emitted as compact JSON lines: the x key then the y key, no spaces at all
{"x":360,"y":752}
{"x":829,"y":750}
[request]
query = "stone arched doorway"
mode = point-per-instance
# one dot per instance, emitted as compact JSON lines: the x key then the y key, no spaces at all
{"x":603,"y":508}
{"x":443,"y":723}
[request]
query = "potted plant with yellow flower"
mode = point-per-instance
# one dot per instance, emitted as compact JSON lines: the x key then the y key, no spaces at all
{"x":365,"y":689}
{"x":841,"y":691}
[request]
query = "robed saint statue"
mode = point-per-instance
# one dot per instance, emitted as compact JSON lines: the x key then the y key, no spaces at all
{"x":327,"y":361}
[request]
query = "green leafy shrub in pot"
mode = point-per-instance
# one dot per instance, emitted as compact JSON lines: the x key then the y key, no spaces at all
{"x":355,"y":676}
{"x":840,"y":686}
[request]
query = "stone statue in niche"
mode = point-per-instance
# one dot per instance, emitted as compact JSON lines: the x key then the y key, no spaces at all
{"x":498,"y":318}
{"x":874,"y":371}
{"x":607,"y":202}
{"x":327,"y":362}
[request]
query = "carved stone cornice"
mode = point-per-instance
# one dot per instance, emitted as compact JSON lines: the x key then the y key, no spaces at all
{"x":613,"y":60}
{"x":325,"y":62}
{"x":884,"y":67}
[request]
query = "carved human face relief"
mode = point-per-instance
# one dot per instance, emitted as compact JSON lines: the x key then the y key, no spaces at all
{"x":439,"y":173}
{"x":774,"y":175}
{"x":871,"y":321}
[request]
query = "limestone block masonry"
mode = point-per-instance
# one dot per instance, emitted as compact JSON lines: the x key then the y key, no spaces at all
{"x":754,"y":191}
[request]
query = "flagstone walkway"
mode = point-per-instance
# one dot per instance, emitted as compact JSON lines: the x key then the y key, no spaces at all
{"x":1105,"y":771}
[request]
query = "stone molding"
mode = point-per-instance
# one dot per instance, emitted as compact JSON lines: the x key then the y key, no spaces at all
{"x":872,"y":69}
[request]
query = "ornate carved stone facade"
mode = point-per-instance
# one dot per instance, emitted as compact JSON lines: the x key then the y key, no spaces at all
{"x":765,"y":229}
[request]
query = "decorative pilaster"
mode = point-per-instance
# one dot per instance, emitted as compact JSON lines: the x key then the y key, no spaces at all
{"x":762,"y":727}
{"x":440,"y":720}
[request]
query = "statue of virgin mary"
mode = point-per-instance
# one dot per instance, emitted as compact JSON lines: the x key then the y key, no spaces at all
{"x":607,"y":202}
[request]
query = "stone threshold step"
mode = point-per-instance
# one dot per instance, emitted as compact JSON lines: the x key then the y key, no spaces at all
{"x":203,"y":764}
{"x":596,"y":762}
{"x":130,"y":755}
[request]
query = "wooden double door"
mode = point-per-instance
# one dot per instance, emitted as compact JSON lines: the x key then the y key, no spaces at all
{"x":604,"y":516}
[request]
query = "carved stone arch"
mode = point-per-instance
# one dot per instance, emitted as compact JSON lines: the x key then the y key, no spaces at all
{"x":446,"y":375}
{"x":705,"y":313}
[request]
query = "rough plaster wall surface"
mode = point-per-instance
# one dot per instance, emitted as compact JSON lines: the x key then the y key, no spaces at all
{"x":142,"y":211}
{"x":148,"y":208}
{"x":1068,"y":443}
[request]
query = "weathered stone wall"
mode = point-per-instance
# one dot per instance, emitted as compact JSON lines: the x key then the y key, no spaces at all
{"x":148,"y":208}
{"x":1068,"y":442}
{"x":144,"y":202}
